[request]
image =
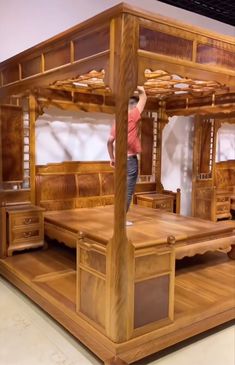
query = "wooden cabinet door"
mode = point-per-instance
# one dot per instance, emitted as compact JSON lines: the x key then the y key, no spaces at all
{"x":146,"y":157}
{"x":11,"y":123}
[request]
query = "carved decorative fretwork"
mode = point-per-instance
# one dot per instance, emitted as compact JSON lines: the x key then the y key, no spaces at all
{"x":162,"y":84}
{"x":93,"y":80}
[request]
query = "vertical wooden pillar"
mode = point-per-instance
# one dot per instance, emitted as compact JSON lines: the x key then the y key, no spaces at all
{"x":3,"y":227}
{"x":0,"y":149}
{"x":32,"y":120}
{"x":162,"y":120}
{"x":2,"y":209}
{"x":217,"y":126}
{"x":195,"y":169}
{"x":120,"y":251}
{"x":204,"y":153}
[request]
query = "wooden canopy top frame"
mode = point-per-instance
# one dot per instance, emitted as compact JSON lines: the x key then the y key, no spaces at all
{"x":153,"y":42}
{"x":124,"y":42}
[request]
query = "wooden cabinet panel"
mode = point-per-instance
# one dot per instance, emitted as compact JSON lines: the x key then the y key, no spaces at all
{"x":208,"y":54}
{"x":91,"y":281}
{"x":153,"y":288}
{"x":151,"y":300}
{"x":12,"y":143}
{"x":165,"y":44}
{"x":10,"y":74}
{"x":93,"y":260}
{"x":153,"y":264}
{"x":92,"y":287}
{"x":146,"y":157}
{"x":31,"y":67}
{"x":92,"y":43}
{"x":57,"y":56}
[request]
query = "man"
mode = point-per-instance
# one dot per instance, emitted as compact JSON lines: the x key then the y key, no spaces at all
{"x":135,"y":108}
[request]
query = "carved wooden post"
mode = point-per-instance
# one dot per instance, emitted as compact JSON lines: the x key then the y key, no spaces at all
{"x":0,"y":148}
{"x":217,"y":125}
{"x":32,"y":120}
{"x":178,"y":202}
{"x":120,"y":251}
{"x":195,"y":169}
{"x":3,"y":228}
{"x":162,"y":120}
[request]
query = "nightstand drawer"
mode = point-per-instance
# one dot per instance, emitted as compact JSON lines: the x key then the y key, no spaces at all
{"x":222,"y":199}
{"x":144,"y":203}
{"x":156,"y":201}
{"x":24,"y":235}
{"x":164,"y":205}
{"x":18,"y":220}
{"x":223,"y":207}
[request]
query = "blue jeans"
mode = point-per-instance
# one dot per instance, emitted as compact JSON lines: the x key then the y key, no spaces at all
{"x":132,"y":174}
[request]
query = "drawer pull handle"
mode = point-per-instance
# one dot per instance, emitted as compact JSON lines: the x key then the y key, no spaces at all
{"x":27,"y":220}
{"x":222,"y":200}
{"x":28,"y":234}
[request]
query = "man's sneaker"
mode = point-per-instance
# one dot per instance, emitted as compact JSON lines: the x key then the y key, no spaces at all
{"x":128,"y":223}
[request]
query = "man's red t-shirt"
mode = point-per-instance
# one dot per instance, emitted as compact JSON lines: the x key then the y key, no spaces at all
{"x":134,"y":146}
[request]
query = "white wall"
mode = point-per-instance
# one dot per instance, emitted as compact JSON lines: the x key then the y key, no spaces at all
{"x":177,"y":156}
{"x":226,"y":143}
{"x":65,"y":136}
{"x":60,"y":136}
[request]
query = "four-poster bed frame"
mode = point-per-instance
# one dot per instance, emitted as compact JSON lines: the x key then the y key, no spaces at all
{"x":121,"y":296}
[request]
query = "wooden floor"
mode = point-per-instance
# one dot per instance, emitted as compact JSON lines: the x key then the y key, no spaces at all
{"x":201,"y":281}
{"x":204,"y":286}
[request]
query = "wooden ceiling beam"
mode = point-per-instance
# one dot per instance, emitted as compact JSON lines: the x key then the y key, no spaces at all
{"x":75,"y":106}
{"x":225,"y":110}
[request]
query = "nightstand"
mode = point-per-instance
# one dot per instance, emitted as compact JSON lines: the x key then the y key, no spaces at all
{"x":223,"y":205}
{"x":157,"y":201}
{"x":25,"y":228}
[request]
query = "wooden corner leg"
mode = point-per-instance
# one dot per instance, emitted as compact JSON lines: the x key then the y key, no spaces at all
{"x":231,"y":253}
{"x":115,"y":361}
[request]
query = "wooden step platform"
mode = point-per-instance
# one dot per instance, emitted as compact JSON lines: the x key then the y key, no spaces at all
{"x":204,"y":298}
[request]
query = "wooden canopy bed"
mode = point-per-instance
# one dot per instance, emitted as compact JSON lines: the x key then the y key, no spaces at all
{"x":120,"y":294}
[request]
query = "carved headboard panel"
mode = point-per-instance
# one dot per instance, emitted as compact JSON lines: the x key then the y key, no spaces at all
{"x":225,"y":174}
{"x":75,"y":184}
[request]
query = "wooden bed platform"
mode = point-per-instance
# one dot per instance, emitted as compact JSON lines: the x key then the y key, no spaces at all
{"x":204,"y":298}
{"x":114,"y":288}
{"x":151,"y":227}
{"x":71,"y":283}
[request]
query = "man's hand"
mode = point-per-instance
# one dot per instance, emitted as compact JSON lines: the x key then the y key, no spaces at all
{"x":142,"y":98}
{"x":112,"y":163}
{"x":141,"y":89}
